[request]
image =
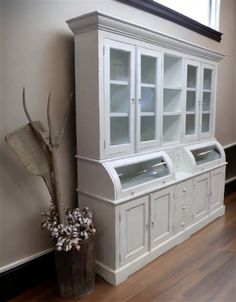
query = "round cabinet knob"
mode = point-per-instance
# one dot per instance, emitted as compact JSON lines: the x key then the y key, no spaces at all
{"x":183,"y":207}
{"x":184,"y":190}
{"x":183,"y":224}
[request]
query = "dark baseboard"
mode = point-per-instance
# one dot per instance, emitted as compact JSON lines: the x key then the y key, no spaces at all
{"x":17,"y":280}
{"x":230,"y":154}
{"x":230,"y":187}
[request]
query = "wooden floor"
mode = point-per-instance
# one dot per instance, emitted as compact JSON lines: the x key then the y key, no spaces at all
{"x":201,"y":269}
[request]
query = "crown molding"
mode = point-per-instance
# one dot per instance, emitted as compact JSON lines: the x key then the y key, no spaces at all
{"x":100,"y":21}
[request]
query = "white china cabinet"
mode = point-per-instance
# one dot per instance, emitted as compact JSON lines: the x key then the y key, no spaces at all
{"x":148,"y":163}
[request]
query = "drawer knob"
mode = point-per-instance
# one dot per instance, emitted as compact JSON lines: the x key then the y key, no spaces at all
{"x":183,"y":207}
{"x":184,"y":190}
{"x":183,"y":224}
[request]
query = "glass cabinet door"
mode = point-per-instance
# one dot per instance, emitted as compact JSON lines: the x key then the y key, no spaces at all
{"x":191,"y":101}
{"x":149,"y":83}
{"x":119,"y":94}
{"x":207,"y":99}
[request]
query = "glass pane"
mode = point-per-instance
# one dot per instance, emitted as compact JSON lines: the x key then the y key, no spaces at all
{"x":147,"y":128}
{"x":139,"y":173}
{"x":148,"y":98}
{"x":206,"y":101}
{"x":207,"y":154}
{"x":207,"y":78}
{"x":120,"y":96}
{"x":119,"y":68}
{"x":190,"y":124}
{"x":119,"y":130}
{"x":205,"y":122}
{"x":148,"y":70}
{"x":192,"y":76}
{"x":191,"y":101}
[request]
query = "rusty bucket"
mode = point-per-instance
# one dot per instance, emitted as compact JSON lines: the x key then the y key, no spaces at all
{"x":76,"y":270}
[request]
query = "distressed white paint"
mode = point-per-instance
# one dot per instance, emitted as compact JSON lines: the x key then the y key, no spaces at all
{"x":138,"y":220}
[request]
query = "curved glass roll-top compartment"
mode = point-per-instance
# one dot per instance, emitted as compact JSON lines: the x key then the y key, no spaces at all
{"x":142,"y":172}
{"x":139,"y":173}
{"x":206,"y":154}
{"x":201,"y":156}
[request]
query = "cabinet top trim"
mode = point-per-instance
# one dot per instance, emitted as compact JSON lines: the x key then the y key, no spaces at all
{"x":100,"y":21}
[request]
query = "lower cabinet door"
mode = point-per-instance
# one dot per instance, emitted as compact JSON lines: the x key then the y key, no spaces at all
{"x":201,"y":197}
{"x":217,"y":188}
{"x":134,"y":229}
{"x":161,"y":216}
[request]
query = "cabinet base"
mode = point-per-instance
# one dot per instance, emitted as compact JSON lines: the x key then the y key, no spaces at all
{"x":118,"y":276}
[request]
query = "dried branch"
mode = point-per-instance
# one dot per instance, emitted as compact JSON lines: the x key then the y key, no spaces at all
{"x":26,"y":110}
{"x":61,"y":132}
{"x":50,"y":128}
{"x":38,"y":132}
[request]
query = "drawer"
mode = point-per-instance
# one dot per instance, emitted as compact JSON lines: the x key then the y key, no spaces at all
{"x":183,"y":222}
{"x":184,"y":188}
{"x":183,"y":214}
{"x":183,"y":206}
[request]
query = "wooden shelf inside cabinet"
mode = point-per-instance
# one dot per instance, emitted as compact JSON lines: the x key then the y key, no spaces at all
{"x":172,"y":113}
{"x":117,"y":114}
{"x":177,"y":88}
{"x":145,"y":85}
{"x":147,"y":113}
{"x":120,"y":83}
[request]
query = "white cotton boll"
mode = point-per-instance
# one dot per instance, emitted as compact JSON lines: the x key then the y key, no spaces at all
{"x":75,"y":234}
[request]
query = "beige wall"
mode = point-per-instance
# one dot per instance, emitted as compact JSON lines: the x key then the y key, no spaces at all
{"x":38,"y":53}
{"x":226,"y":98}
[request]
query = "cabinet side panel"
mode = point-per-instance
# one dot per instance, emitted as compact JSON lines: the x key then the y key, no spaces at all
{"x":87,"y":96}
{"x":104,"y":220}
{"x":94,"y":179}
